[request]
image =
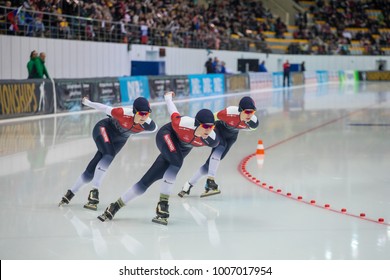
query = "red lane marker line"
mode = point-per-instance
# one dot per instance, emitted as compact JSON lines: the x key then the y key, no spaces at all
{"x":278,"y":191}
{"x":315,"y":128}
{"x":256,"y":181}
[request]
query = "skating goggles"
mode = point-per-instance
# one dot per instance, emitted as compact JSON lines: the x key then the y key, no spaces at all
{"x":207,"y":125}
{"x":249,"y":112}
{"x":143,"y":113}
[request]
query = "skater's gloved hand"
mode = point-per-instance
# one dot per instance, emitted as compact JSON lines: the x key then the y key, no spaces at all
{"x":169,"y":94}
{"x":85,"y":100}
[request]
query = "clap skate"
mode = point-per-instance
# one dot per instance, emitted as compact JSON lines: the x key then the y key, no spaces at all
{"x":185,"y":190}
{"x":211,"y":188}
{"x":110,"y":212}
{"x":162,"y":213}
{"x":93,"y":200}
{"x":66,"y":198}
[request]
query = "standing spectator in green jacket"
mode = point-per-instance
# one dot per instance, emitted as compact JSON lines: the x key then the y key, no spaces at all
{"x":41,"y":68}
{"x":36,"y":67}
{"x":31,"y":67}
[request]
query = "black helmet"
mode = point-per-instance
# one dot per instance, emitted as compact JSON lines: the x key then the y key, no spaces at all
{"x":246,"y":103}
{"x":141,"y":104}
{"x":204,"y":116}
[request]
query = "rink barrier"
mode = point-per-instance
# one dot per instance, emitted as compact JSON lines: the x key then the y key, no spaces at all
{"x":20,"y":98}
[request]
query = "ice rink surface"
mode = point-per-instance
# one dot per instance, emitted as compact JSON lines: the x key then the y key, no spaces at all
{"x":328,"y":144}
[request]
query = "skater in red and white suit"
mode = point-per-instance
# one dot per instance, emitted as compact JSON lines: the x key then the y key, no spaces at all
{"x":229,"y":122}
{"x":110,"y":135}
{"x":175,"y":140}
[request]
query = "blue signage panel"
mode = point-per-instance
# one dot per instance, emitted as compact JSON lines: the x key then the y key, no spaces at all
{"x":133,"y":87}
{"x":277,"y":79}
{"x":206,"y":85}
{"x":322,"y":76}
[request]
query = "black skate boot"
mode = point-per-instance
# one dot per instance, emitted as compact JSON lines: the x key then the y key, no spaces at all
{"x":162,"y":213}
{"x":211,"y":188}
{"x":185,"y":190}
{"x":66,"y":198}
{"x":93,"y":200}
{"x":111,"y":210}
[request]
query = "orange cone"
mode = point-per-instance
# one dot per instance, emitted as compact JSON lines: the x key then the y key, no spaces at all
{"x":260,"y":148}
{"x":260,"y":154}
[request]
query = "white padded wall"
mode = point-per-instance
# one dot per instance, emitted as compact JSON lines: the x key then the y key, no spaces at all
{"x":65,"y":58}
{"x":85,"y":59}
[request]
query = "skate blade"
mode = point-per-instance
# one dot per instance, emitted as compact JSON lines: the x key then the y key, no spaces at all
{"x":102,"y":217}
{"x":62,"y":203}
{"x":161,"y":221}
{"x":182,"y":193}
{"x":209,"y":193}
{"x":91,"y":206}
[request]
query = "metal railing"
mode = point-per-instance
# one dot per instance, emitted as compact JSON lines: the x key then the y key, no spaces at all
{"x":26,"y":22}
{"x":59,"y":26}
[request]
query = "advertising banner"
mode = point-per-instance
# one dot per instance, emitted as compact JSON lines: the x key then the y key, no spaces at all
{"x":107,"y":91}
{"x":71,"y":91}
{"x":333,"y":76}
{"x":20,"y":98}
{"x":322,"y":76}
{"x":260,"y":80}
{"x":297,"y":78}
{"x":236,"y":83}
{"x":374,"y":75}
{"x":133,"y":87}
{"x":350,"y":76}
{"x":182,"y":86}
{"x":277,"y":79}
{"x":159,"y":85}
{"x":206,"y":85}
{"x":310,"y":77}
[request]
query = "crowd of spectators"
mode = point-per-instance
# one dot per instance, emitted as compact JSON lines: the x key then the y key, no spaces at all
{"x":336,"y":25}
{"x":219,"y":24}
